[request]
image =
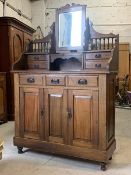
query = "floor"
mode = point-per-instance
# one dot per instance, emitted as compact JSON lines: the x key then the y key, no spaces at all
{"x":35,"y":163}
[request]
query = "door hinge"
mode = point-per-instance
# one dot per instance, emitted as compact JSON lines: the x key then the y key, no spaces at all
{"x":42,"y":112}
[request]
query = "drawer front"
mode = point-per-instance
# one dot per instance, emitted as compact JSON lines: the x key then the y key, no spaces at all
{"x":53,"y":80}
{"x":96,"y":65}
{"x":31,"y":79}
{"x":83,"y":81}
{"x":38,"y":57}
{"x":38,"y":64}
{"x":97,"y":55}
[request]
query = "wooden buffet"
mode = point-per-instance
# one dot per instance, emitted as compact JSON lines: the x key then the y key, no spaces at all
{"x":64,"y":97}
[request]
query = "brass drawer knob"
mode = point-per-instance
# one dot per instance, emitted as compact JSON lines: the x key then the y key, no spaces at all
{"x":98,"y":56}
{"x":30,"y":80}
{"x":36,"y":66}
{"x":55,"y":81}
{"x":98,"y":65}
{"x":82,"y":81}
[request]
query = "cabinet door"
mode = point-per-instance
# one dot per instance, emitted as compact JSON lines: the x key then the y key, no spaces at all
{"x":83,"y":118}
{"x":3,"y":114}
{"x":16,"y":44}
{"x":56,"y":118}
{"x":31,"y":113}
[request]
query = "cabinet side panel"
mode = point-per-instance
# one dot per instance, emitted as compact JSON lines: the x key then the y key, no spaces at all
{"x":110,"y":108}
{"x":4,"y":49}
{"x":102,"y":111}
{"x":95,"y":118}
{"x":17,"y":106}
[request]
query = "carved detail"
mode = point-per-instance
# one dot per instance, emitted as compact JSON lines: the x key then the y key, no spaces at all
{"x":69,"y":6}
{"x":98,"y":41}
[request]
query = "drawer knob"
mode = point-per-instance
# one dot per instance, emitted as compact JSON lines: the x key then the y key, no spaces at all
{"x":30,"y":80}
{"x":55,"y":81}
{"x":98,"y":56}
{"x":69,"y":113}
{"x":36,"y":58}
{"x":82,"y":81}
{"x":36,"y":66}
{"x":98,"y":65}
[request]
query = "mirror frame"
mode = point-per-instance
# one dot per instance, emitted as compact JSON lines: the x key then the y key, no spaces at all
{"x":66,"y":9}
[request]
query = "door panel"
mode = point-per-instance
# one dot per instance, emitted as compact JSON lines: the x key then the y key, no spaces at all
{"x":31,"y":101}
{"x":82,"y":117}
{"x":83,"y":125}
{"x":16,"y":44}
{"x":30,"y":112}
{"x":56,"y":115}
{"x":111,"y":109}
{"x":17,"y":41}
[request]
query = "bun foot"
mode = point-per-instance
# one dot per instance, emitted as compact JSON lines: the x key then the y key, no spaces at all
{"x":110,"y":158}
{"x":20,"y":150}
{"x":103,"y":166}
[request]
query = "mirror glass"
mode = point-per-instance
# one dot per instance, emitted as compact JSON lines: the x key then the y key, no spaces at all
{"x":70,"y":30}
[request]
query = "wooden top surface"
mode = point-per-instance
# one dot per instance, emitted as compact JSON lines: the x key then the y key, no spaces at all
{"x":33,"y":71}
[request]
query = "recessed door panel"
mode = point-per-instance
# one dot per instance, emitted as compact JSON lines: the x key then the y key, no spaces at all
{"x":31,"y":112}
{"x":56,"y":115}
{"x":82,"y":117}
{"x":83,"y":125}
{"x":31,"y":116}
{"x":16,"y":44}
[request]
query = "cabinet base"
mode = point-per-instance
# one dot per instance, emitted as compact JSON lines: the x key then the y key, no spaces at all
{"x":103,"y":166}
{"x":55,"y":148}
